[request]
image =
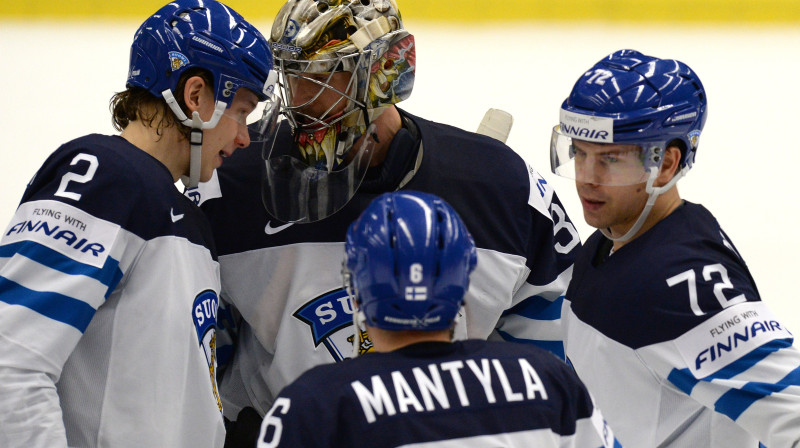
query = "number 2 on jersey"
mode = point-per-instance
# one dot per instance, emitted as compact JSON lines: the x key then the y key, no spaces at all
{"x":79,"y":178}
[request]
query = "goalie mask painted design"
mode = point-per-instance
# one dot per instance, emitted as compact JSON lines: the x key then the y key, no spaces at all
{"x":408,"y":259}
{"x":341,"y":62}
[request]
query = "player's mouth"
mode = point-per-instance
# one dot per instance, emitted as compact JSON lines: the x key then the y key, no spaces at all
{"x":591,"y":204}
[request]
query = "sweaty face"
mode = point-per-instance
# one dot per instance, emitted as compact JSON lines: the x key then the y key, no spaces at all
{"x":229,"y":134}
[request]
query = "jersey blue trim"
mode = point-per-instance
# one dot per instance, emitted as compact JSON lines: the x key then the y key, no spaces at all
{"x":683,"y":380}
{"x":750,"y":359}
{"x":554,"y":347}
{"x":109,"y":275}
{"x":56,"y":306}
{"x":734,"y":402}
{"x":538,"y":308}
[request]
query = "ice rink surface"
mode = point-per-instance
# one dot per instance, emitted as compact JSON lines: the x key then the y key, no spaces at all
{"x":57,"y":80}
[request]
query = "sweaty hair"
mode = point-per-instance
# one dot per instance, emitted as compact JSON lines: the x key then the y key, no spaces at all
{"x":137,"y":103}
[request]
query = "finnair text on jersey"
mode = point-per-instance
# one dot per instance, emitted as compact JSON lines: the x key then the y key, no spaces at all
{"x":66,"y":236}
{"x":425,"y":391}
{"x":734,"y":340}
{"x":46,"y":212}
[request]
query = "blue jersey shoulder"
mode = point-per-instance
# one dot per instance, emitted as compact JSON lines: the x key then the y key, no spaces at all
{"x":675,"y":276}
{"x":110,"y":179}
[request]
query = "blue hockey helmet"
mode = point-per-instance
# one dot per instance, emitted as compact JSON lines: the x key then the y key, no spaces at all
{"x":200,"y":33}
{"x":408,"y":258}
{"x":632,"y":100}
{"x":206,"y":34}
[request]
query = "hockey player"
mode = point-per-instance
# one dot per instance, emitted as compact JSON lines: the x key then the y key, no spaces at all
{"x":664,"y":321}
{"x":343,"y":67}
{"x":407,"y":266}
{"x":108,"y":277}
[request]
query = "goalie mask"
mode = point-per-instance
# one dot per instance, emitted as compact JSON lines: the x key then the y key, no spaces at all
{"x":619,"y":119}
{"x":341,"y":63}
{"x":408,"y":259}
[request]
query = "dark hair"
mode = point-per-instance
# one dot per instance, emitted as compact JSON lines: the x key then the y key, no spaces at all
{"x":136,"y":103}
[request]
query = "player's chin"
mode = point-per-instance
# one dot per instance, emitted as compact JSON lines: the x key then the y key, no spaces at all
{"x":594,"y":220}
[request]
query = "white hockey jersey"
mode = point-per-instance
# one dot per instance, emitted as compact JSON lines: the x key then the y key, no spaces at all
{"x":108,"y":296}
{"x":671,"y":337}
{"x":285,"y":279}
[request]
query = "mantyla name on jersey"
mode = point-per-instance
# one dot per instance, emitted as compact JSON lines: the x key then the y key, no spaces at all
{"x":427,"y":391}
{"x":729,"y":335}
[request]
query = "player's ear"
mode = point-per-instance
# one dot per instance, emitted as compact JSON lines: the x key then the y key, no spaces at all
{"x":193,"y":92}
{"x":672,"y":161}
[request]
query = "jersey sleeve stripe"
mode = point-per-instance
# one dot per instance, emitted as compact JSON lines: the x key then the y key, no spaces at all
{"x":736,"y":401}
{"x":749,"y":360}
{"x":538,"y":308}
{"x":683,"y":380}
{"x":56,"y":306}
{"x":109,"y":274}
{"x":33,"y":275}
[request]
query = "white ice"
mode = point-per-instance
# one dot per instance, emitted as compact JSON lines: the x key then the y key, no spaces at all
{"x":57,"y":79}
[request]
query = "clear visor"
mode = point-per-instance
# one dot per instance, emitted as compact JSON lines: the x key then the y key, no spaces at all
{"x":614,"y":164}
{"x":262,"y":121}
{"x":294,"y":191}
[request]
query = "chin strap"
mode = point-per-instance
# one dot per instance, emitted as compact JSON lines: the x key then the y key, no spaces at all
{"x":195,"y":152}
{"x":654,"y":192}
{"x":196,"y":136}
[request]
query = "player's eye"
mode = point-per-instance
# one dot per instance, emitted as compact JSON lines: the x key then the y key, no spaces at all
{"x":610,"y":158}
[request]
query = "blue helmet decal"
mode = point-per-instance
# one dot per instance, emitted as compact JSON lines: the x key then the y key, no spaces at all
{"x":629,"y":97}
{"x":408,"y":258}
{"x":207,"y":34}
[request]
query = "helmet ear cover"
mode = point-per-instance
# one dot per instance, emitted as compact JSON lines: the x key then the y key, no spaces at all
{"x":408,"y":259}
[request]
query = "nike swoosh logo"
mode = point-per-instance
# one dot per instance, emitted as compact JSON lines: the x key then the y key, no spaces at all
{"x":174,"y":217}
{"x":269,"y":230}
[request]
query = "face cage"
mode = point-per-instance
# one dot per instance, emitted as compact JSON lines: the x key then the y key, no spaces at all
{"x":613,"y":168}
{"x":355,"y":63}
